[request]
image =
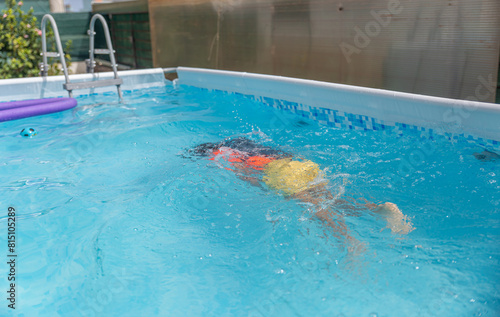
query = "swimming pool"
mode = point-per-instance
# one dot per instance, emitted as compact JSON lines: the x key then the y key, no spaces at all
{"x":114,"y":220}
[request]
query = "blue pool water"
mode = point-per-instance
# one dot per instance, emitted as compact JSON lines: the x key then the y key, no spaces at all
{"x":114,"y":220}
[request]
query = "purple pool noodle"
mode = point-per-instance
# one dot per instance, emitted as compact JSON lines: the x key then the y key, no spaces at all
{"x":29,"y":108}
{"x":25,"y":103}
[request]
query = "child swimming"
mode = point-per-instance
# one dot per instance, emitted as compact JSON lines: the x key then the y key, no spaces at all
{"x":295,"y":178}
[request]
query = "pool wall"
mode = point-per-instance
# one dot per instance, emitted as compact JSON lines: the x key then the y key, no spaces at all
{"x":360,"y":108}
{"x":52,"y":86}
{"x":336,"y":105}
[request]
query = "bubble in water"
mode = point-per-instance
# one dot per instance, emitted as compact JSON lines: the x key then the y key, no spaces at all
{"x":373,"y":315}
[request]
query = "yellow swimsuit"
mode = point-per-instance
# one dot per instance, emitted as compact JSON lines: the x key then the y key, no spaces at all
{"x":291,"y":177}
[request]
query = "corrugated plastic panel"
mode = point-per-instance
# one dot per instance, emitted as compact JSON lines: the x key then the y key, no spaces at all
{"x":446,"y":48}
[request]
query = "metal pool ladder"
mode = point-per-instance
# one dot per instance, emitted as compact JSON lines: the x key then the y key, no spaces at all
{"x":69,"y":86}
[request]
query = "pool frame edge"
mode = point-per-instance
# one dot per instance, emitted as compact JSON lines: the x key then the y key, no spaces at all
{"x":52,"y":86}
{"x":364,"y":108}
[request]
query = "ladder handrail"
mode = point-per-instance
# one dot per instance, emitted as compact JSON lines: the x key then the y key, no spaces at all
{"x":45,"y":65}
{"x":109,"y":44}
{"x":91,"y":62}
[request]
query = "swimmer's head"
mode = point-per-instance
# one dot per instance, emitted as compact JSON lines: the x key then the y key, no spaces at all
{"x":205,"y":149}
{"x":240,"y":144}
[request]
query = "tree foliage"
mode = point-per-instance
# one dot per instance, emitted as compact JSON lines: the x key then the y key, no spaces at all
{"x":21,"y":45}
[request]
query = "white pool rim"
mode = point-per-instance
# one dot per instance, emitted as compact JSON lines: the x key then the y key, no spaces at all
{"x":333,"y":104}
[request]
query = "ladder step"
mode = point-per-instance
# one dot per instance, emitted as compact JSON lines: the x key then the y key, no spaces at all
{"x":51,"y":54}
{"x":102,"y":51}
{"x":93,"y":84}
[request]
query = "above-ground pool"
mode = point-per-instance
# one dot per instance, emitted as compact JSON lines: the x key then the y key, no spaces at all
{"x":114,"y":217}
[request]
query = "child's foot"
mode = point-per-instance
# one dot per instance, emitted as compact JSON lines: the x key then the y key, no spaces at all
{"x":396,"y":221}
